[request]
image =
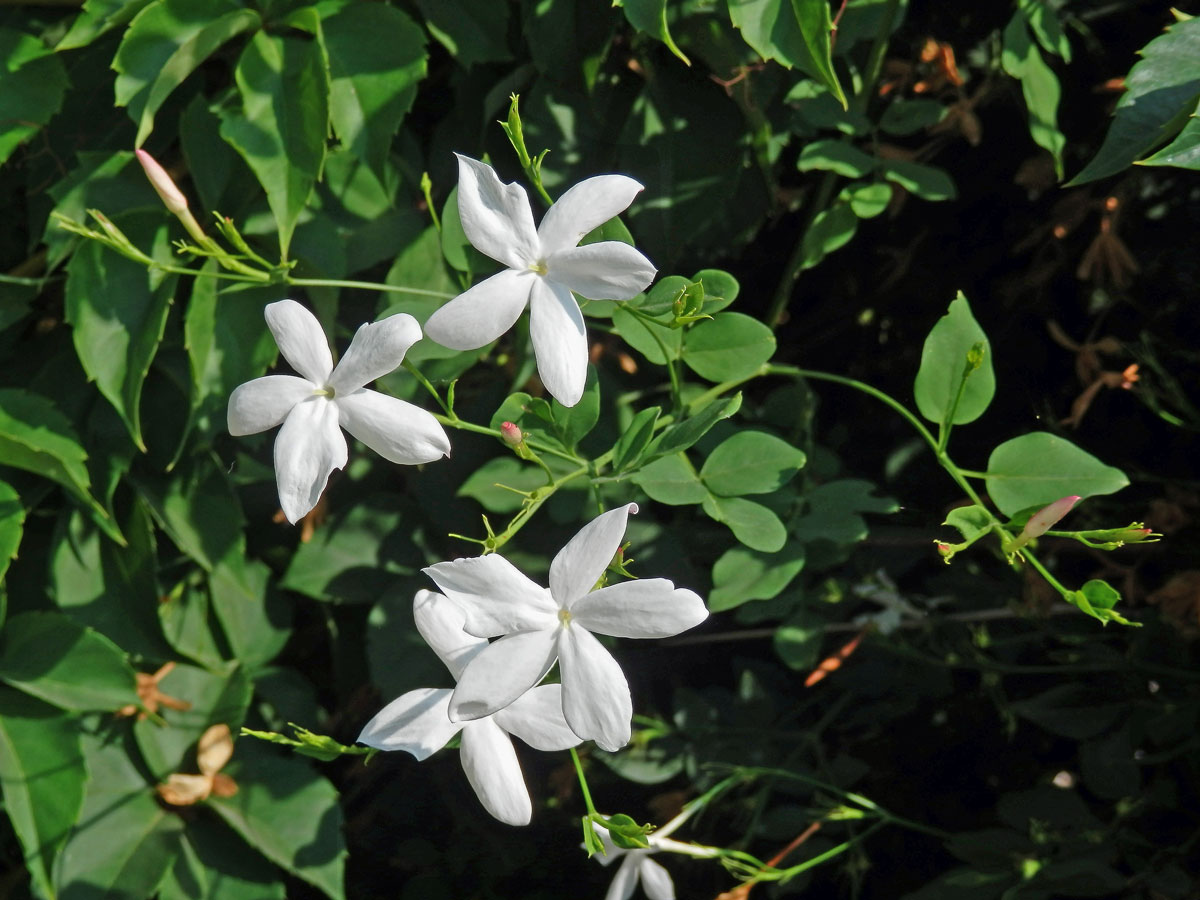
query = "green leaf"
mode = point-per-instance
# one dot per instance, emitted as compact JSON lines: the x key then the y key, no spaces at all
{"x":377,"y":58}
{"x":867,"y":200}
{"x":750,"y":462}
{"x":43,"y":776}
{"x":751,"y":523}
{"x":12,"y":526}
{"x":634,"y":439}
{"x":183,"y":614}
{"x":641,"y":336}
{"x":729,"y":347}
{"x":124,"y":842}
{"x":36,"y":437}
{"x":926,"y":182}
{"x":836,"y":156}
{"x":794,"y":33}
{"x":1161,"y":91}
{"x":355,"y":556}
{"x":1039,"y":468}
{"x":97,"y":18}
{"x":1073,"y":711}
{"x":256,"y":619}
{"x":1043,"y":22}
{"x":474,"y":31}
{"x":944,"y":363}
{"x":742,"y":575}
{"x":50,"y":656}
{"x":904,"y":116}
{"x":650,"y":17}
{"x":118,"y":310}
{"x":972,"y":521}
{"x":574,"y":422}
{"x":32,"y":84}
{"x":1184,"y":151}
{"x":164,"y":44}
{"x":834,"y":511}
{"x":283,"y":81}
{"x":228,"y":343}
{"x":213,"y":864}
{"x":683,"y":434}
{"x":1022,"y":60}
{"x":197,"y":509}
{"x":109,"y":588}
{"x":215,"y":698}
{"x":671,"y":480}
{"x":287,"y":812}
{"x":831,"y":230}
{"x":798,"y":640}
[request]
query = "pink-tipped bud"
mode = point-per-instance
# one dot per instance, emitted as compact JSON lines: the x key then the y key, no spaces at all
{"x":1042,"y":520}
{"x":511,"y":434}
{"x":171,"y":196}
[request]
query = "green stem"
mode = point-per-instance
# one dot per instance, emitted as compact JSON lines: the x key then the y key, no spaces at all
{"x":583,"y":785}
{"x":879,"y":47}
{"x":367,"y":286}
{"x":416,"y":373}
{"x":261,"y":278}
{"x":453,"y":421}
{"x":971,"y":473}
{"x":795,"y":263}
{"x":652,"y":323}
{"x":791,"y":872}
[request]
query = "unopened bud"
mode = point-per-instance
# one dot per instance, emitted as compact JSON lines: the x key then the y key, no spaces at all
{"x":171,"y":196}
{"x":511,"y":434}
{"x":1042,"y":520}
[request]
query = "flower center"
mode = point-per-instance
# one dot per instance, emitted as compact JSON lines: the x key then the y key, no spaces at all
{"x":564,"y":616}
{"x":539,"y":267}
{"x":326,"y":391}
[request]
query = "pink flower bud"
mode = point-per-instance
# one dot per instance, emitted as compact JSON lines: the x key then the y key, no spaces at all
{"x":1042,"y":520}
{"x":171,"y":196}
{"x":511,"y":434}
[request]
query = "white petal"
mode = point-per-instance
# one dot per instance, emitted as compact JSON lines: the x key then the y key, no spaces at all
{"x":559,"y":340}
{"x":398,"y":431}
{"x":503,"y":672}
{"x":265,"y":402}
{"x":491,"y":765}
{"x":308,"y":448}
{"x":656,"y":881}
{"x":377,"y":349}
{"x":578,"y":566}
{"x":483,"y":313}
{"x":609,"y":270}
{"x":415,"y":722}
{"x":624,"y":881}
{"x":583,"y":208}
{"x":646,"y":608}
{"x":493,"y":594}
{"x":440,"y":622}
{"x":537,"y":719}
{"x":300,"y":339}
{"x":595,"y":694}
{"x":495,"y":217}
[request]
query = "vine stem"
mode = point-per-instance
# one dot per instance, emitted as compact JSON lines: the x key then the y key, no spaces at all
{"x":368,"y":286}
{"x":583,"y":785}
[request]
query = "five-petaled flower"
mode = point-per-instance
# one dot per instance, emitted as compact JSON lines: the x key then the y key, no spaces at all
{"x":541,"y":626}
{"x":315,"y":407}
{"x":544,"y":266}
{"x":418,"y":721}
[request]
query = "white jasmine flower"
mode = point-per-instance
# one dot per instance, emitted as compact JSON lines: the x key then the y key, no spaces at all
{"x":315,"y":407}
{"x":542,"y":626}
{"x":637,"y":864}
{"x":544,"y":267}
{"x":418,"y":722}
